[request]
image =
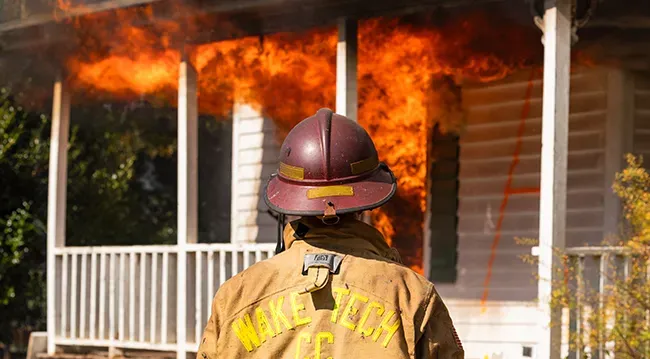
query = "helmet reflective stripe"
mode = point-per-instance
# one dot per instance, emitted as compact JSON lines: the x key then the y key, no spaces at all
{"x":328,"y":162}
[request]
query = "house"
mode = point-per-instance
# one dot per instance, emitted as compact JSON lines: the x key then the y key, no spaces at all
{"x":531,"y":140}
{"x":500,"y":148}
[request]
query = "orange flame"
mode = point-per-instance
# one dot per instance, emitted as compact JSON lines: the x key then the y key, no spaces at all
{"x":290,"y":76}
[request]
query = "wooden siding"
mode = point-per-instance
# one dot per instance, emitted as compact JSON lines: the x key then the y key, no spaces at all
{"x":507,"y":322}
{"x":500,"y":328}
{"x":487,"y":144}
{"x":255,"y":151}
{"x":487,"y":147}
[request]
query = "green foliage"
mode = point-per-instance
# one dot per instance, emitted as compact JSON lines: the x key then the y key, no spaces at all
{"x":633,"y":187}
{"x":615,"y":321}
{"x":112,"y":200}
{"x":23,"y":182}
{"x":121,"y":190}
{"x":625,"y":317}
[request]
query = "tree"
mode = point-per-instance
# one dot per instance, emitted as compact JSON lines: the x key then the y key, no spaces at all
{"x":121,"y":190}
{"x":121,"y":176}
{"x":616,"y":320}
{"x":625,"y":318}
{"x":23,"y":185}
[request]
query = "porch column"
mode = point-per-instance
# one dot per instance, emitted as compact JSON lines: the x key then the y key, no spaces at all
{"x":553,"y":184}
{"x":346,"y":73}
{"x":187,"y":192}
{"x":346,"y":69}
{"x":56,"y":198}
{"x":619,"y":137}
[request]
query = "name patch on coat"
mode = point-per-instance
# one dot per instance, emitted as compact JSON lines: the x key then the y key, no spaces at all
{"x":370,"y":319}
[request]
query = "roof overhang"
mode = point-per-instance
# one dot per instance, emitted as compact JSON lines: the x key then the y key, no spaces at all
{"x":250,"y":17}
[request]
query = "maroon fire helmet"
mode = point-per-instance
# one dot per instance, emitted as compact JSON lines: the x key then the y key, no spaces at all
{"x":328,"y":166}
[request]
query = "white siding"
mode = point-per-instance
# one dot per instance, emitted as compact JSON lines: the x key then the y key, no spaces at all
{"x":487,"y":152}
{"x":487,"y":147}
{"x":255,"y":153}
{"x":503,"y":328}
{"x":494,"y":110}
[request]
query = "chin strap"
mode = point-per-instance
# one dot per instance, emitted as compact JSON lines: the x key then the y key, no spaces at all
{"x":279,"y":247}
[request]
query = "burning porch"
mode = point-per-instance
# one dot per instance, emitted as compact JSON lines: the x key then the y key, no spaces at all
{"x":458,"y":99}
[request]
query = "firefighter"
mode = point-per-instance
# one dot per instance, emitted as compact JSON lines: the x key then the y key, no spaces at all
{"x":338,"y":290}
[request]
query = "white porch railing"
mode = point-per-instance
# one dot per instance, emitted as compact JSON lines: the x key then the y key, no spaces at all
{"x":593,"y":270}
{"x":125,"y":297}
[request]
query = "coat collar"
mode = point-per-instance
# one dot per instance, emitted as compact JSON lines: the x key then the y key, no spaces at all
{"x":348,"y":236}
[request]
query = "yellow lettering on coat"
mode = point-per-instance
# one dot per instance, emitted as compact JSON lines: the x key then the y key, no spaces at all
{"x":307,"y":338}
{"x":278,"y":315}
{"x":296,"y":308}
{"x":389,"y":328}
{"x":320,"y":337}
{"x":337,"y":302}
{"x":364,"y":318}
{"x":351,"y":310}
{"x":246,"y":332}
{"x":263,"y":325}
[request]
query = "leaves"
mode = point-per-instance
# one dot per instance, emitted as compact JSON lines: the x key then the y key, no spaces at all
{"x":633,"y":187}
{"x":120,"y":190}
{"x":23,"y":188}
{"x":616,"y":320}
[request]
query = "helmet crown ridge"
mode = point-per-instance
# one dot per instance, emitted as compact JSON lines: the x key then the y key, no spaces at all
{"x":328,"y":160}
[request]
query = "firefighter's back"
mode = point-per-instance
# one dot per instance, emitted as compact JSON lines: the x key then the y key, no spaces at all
{"x":371,"y":307}
{"x":338,"y":290}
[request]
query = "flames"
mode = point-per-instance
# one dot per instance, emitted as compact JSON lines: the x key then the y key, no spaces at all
{"x":290,"y":76}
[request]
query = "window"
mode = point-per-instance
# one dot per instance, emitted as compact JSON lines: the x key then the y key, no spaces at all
{"x":443,"y":207}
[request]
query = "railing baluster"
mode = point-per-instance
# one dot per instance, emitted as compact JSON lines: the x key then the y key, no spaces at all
{"x":247,"y":258}
{"x":83,"y":296}
{"x":222,"y":267}
{"x":210,"y":290}
{"x":143,"y":279}
{"x":111,"y":298}
{"x":573,"y":323}
{"x":93,"y":295}
{"x":270,"y":253}
{"x":579,"y":310}
{"x":647,"y":312}
{"x":602,"y":282}
{"x":198,"y":297}
{"x":122,"y":297}
{"x":64,"y":295}
{"x":102,"y":296}
{"x":626,"y":276}
{"x":132,"y":296}
{"x":154,"y":295}
{"x":164,"y":297}
{"x":234,"y":263}
{"x":74,"y":296}
{"x":621,"y":273}
{"x":104,"y":291}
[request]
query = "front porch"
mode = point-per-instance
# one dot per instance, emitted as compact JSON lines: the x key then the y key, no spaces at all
{"x":158,"y":297}
{"x":128,"y":297}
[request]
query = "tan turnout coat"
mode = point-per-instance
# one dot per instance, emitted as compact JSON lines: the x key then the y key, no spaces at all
{"x":369,"y":305}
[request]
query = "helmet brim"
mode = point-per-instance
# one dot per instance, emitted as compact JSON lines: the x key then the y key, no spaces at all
{"x":292,"y":199}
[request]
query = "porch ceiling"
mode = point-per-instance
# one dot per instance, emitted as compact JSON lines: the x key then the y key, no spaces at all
{"x":252,"y":17}
{"x":619,"y":30}
{"x":627,"y":21}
